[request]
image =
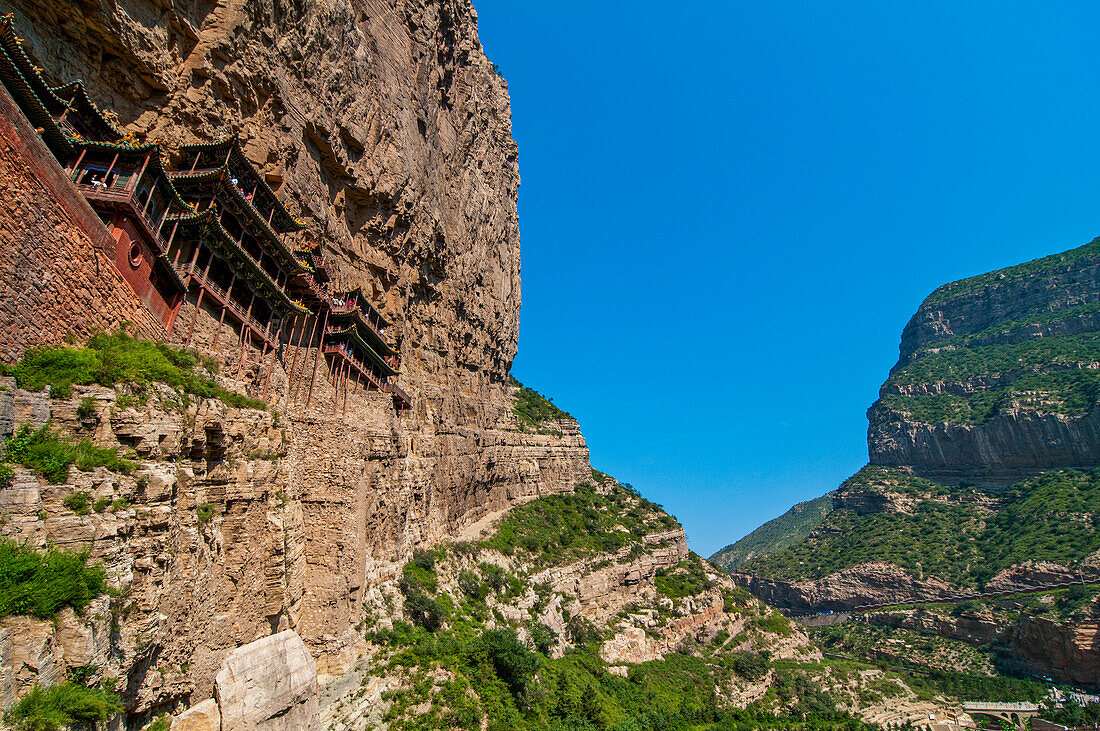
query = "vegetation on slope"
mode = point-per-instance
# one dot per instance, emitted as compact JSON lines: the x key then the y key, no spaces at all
{"x":1025,"y":270}
{"x":479,"y":641}
{"x":566,"y":527}
{"x":62,"y":706}
{"x":793,"y":526}
{"x":1052,"y":517}
{"x":109,"y":359}
{"x":41,"y":584}
{"x":50,"y":455}
{"x":532,"y":408}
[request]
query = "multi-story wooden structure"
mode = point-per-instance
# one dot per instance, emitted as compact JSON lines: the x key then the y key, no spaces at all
{"x":213,"y":232}
{"x":233,"y":252}
{"x":124,"y":181}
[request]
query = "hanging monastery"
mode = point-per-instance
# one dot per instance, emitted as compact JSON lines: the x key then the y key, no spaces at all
{"x":207,"y":237}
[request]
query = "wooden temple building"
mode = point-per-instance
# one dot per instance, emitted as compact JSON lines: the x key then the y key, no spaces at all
{"x":212,"y":232}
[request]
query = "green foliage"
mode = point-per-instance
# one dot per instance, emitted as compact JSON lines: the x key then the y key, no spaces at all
{"x":417,"y":584}
{"x":562,"y":528}
{"x":973,"y":687}
{"x":1074,"y":715}
{"x":7,"y":476}
{"x":78,"y":502}
{"x":687,"y":578}
{"x":532,"y":408}
{"x":1009,"y":275}
{"x":50,"y":455}
{"x":87,"y":407}
{"x":163,"y":722}
{"x":41,"y":584}
{"x":1052,"y":517}
{"x":775,"y":535}
{"x":775,"y":623}
{"x":204,"y":512}
{"x":101,"y":504}
{"x":511,"y":661}
{"x":62,"y":705}
{"x":113,"y":358}
{"x":750,"y":665}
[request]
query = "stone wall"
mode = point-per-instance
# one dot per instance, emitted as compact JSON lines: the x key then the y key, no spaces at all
{"x":56,"y":270}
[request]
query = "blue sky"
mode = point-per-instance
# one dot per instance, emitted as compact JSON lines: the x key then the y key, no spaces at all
{"x":729,"y":210}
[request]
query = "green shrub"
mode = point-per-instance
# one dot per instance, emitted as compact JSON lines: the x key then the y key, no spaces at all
{"x":78,"y":502}
{"x":512,"y":662}
{"x":87,"y":407}
{"x":50,"y":455}
{"x":7,"y":476}
{"x":61,"y":706}
{"x":775,"y":623}
{"x":204,"y":512}
{"x":113,"y":358}
{"x":749,"y":665}
{"x":532,"y":408}
{"x":101,"y":504}
{"x":685,"y":579}
{"x":41,"y":584}
{"x":558,"y":529}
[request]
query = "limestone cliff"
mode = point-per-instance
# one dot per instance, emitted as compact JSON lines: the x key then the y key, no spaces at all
{"x":996,"y":378}
{"x":383,"y":127}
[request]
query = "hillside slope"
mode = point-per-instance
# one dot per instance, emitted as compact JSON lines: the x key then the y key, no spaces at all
{"x":984,"y":447}
{"x":778,"y":533}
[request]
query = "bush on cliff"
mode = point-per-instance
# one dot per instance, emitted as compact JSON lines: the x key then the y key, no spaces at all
{"x":40,"y":584}
{"x":109,"y":359}
{"x":570,"y":526}
{"x":61,"y":706}
{"x":50,"y":455}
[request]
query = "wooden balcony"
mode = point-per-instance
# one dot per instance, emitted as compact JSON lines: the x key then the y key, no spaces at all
{"x":342,"y":351}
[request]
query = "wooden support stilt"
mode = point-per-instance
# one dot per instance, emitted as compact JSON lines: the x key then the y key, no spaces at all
{"x":246,"y":340}
{"x":301,"y":329}
{"x":347,"y":372}
{"x":133,"y":184}
{"x":274,"y":357}
{"x":191,"y":327}
{"x":320,"y":344}
{"x":308,"y":345}
{"x":218,"y":334}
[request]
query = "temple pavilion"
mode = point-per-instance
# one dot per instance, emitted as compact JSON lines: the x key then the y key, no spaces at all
{"x":213,"y":231}
{"x":233,"y":251}
{"x":123,"y":181}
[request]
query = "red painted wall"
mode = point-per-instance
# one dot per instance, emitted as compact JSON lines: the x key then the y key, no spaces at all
{"x":134,"y":260}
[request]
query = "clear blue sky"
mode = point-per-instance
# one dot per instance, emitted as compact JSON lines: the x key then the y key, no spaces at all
{"x":729,"y":210}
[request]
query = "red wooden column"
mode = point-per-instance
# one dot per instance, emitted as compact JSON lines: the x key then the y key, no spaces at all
{"x":320,"y":344}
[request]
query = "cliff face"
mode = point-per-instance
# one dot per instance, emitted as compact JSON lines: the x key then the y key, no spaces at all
{"x":996,"y":378}
{"x":383,"y":127}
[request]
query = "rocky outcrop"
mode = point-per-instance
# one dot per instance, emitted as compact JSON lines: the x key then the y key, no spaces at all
{"x":872,"y":583}
{"x":1007,"y":448}
{"x":268,"y":684}
{"x":1068,"y":651}
{"x":1030,"y":428}
{"x":988,"y":301}
{"x":386,"y":129}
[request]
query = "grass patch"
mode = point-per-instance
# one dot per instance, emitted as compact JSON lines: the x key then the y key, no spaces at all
{"x":50,"y":455}
{"x":40,"y":584}
{"x":109,"y":359}
{"x":570,"y":526}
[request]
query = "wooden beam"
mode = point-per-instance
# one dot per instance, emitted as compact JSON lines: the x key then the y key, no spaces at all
{"x":309,"y":397}
{"x":194,"y":314}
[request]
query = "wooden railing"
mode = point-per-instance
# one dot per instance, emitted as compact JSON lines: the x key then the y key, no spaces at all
{"x":344,"y":352}
{"x":125,"y":196}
